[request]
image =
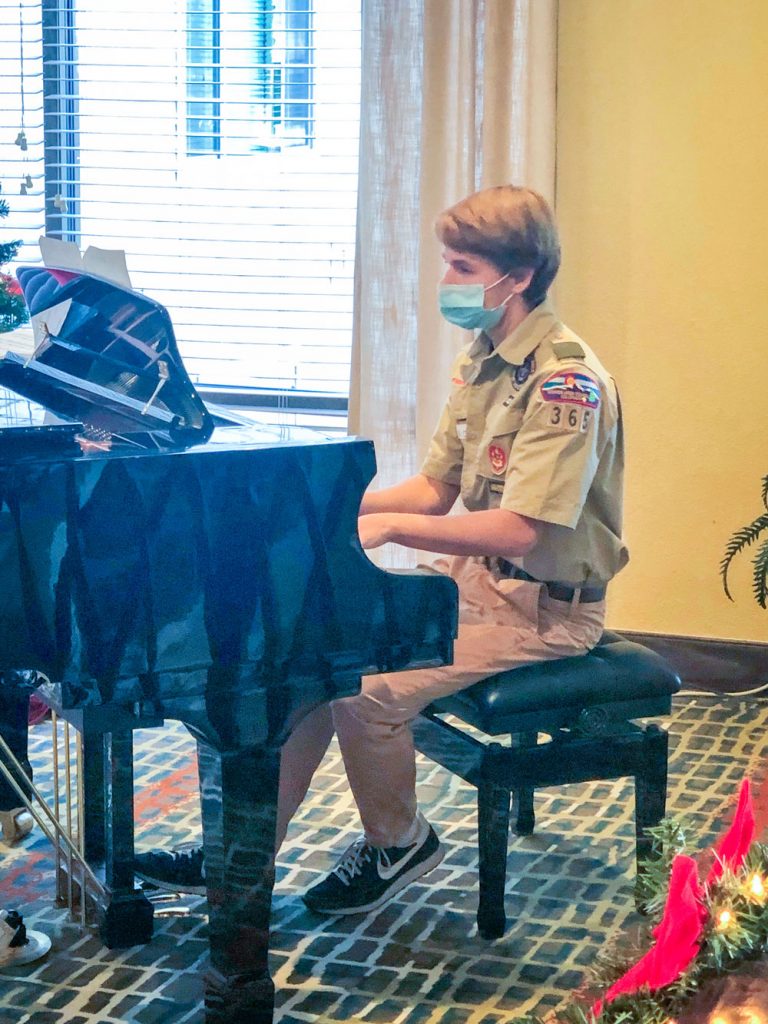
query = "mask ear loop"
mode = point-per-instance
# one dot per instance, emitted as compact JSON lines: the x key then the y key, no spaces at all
{"x":502,"y":278}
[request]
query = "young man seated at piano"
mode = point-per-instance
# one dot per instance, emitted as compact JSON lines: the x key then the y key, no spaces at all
{"x":530,"y":439}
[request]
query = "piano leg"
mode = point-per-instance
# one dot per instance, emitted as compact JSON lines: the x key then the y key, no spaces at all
{"x":94,"y":821}
{"x":239,"y":802}
{"x":14,"y":707}
{"x":125,"y":916}
{"x":15,"y":688}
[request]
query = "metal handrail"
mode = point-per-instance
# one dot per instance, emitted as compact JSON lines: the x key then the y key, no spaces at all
{"x":60,"y":832}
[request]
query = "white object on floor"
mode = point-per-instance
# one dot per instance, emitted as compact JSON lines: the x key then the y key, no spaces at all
{"x":18,"y":944}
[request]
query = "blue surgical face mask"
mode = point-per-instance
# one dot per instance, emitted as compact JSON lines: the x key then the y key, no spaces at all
{"x":462,"y":304}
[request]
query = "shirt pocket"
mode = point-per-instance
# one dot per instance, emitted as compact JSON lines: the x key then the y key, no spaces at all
{"x":496,"y":450}
{"x":495,"y":456}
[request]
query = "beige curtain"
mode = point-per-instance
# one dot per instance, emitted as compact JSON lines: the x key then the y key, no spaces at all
{"x":457,"y":95}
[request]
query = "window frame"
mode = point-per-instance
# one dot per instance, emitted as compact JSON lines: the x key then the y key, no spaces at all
{"x":60,"y":120}
{"x":283,"y":90}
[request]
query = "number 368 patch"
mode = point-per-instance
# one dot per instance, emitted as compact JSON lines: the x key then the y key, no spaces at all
{"x":569,"y":417}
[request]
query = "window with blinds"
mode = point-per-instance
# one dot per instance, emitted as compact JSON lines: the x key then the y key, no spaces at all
{"x":216,"y":141}
{"x":21,"y":126}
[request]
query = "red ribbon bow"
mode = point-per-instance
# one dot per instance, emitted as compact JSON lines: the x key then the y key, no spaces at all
{"x":678,"y":934}
{"x":738,"y":839}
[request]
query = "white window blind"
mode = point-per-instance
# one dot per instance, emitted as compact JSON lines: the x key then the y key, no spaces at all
{"x":21,"y":126}
{"x":216,"y":142}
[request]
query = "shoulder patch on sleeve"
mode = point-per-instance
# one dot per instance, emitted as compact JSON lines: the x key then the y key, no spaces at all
{"x":574,"y":386}
{"x":567,"y":350}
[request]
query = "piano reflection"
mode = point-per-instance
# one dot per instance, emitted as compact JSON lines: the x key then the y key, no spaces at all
{"x":167,"y":560}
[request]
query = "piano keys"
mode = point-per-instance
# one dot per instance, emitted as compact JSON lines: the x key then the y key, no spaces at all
{"x":187,"y":565}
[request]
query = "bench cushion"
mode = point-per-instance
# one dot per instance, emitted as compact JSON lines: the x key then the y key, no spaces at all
{"x":617,"y":680}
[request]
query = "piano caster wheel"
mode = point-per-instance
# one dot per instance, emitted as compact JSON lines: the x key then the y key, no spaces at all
{"x":490,"y":928}
{"x":238,"y":998}
{"x":126,"y":921}
{"x":16,"y":824}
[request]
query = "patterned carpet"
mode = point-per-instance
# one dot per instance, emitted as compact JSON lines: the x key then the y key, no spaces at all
{"x":416,"y":961}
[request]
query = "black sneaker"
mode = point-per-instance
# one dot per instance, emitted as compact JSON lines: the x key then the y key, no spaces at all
{"x":180,"y":871}
{"x":367,"y":876}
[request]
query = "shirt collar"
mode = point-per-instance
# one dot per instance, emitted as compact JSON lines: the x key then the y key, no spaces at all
{"x":518,"y":345}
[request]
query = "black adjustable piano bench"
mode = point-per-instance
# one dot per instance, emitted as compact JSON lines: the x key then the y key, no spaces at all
{"x":569,"y":720}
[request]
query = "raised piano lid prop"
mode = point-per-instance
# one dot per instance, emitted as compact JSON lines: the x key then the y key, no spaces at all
{"x":104,"y":358}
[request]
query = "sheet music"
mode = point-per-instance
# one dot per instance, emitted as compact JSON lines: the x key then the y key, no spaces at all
{"x":107,"y":263}
{"x":60,"y":254}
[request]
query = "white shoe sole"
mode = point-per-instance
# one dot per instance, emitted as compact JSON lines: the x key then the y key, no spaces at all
{"x":194,"y":890}
{"x":416,"y":871}
{"x":16,"y":824}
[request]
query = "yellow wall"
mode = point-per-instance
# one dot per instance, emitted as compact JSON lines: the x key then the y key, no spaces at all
{"x":662,"y":199}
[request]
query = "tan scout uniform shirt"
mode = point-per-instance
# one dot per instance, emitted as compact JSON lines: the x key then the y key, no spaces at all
{"x":534,"y":426}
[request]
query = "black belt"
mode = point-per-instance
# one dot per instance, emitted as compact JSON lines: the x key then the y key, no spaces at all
{"x":557,"y":591}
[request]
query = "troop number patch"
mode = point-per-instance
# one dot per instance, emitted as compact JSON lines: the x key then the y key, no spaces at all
{"x":573,"y":387}
{"x":568,"y":417}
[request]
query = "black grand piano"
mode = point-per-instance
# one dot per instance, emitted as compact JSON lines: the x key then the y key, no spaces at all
{"x":165,"y":560}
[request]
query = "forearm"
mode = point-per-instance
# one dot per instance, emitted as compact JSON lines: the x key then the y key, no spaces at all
{"x":418,"y":494}
{"x":493,"y":532}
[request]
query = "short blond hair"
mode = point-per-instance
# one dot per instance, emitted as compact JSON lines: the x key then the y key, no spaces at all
{"x":511,"y":226}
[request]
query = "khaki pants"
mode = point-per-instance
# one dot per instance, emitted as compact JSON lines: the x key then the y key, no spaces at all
{"x":503,"y":624}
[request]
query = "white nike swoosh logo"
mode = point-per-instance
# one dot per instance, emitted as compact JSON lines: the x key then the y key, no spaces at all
{"x":386,"y":873}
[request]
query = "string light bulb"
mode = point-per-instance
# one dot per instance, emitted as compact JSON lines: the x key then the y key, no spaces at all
{"x":724,"y":920}
{"x":757,"y":887}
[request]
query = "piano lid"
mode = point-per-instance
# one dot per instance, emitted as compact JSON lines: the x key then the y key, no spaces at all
{"x":106,"y":356}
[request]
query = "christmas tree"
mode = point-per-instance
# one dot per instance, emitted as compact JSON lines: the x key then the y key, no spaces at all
{"x":13,"y":311}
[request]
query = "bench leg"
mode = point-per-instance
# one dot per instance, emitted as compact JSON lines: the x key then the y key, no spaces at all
{"x":522,"y":796}
{"x":650,"y":790}
{"x":522,"y":810}
{"x":493,"y":835}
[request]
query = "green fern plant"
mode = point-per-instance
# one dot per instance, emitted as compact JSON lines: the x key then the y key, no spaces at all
{"x":743,"y":538}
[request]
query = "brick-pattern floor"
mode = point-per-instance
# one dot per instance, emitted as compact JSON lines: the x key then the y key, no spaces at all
{"x":416,"y":961}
